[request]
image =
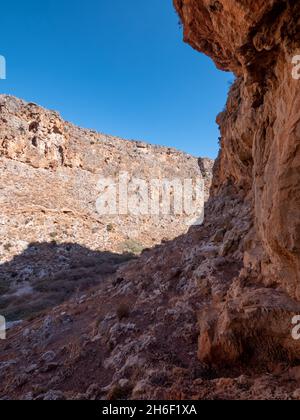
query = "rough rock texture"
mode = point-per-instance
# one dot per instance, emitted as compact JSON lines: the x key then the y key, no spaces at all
{"x":135,"y":336}
{"x":49,"y":178}
{"x":260,"y":159}
{"x":225,"y":292}
{"x":49,"y":223}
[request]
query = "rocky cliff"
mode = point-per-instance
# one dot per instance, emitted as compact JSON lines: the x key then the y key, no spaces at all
{"x":52,"y":178}
{"x":209,"y":314}
{"x":260,"y":127}
{"x":50,"y":181}
{"x":259,"y":160}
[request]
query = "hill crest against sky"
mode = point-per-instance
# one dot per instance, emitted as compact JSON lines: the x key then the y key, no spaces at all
{"x":126,"y":74}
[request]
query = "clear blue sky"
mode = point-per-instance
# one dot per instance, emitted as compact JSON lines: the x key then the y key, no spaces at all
{"x":116,"y":66}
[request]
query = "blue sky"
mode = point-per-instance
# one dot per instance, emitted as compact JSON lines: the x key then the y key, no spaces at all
{"x":116,"y":66}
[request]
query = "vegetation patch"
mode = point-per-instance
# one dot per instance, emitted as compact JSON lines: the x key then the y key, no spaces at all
{"x":123,"y":311}
{"x":132,"y":247}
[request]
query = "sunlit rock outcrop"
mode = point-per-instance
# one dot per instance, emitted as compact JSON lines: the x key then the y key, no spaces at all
{"x":260,"y":159}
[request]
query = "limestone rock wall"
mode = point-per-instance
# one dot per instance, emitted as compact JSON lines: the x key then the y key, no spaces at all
{"x":49,"y":175}
{"x":259,"y":158}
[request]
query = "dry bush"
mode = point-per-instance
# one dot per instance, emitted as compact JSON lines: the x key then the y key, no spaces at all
{"x":123,"y":311}
{"x":119,"y":393}
{"x":132,"y":247}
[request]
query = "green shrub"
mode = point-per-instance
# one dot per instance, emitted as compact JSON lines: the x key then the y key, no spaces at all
{"x":110,"y":227}
{"x":7,"y":247}
{"x":132,"y":246}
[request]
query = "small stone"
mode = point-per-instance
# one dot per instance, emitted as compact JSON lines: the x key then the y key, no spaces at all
{"x":28,"y":397}
{"x":140,"y":389}
{"x":54,"y":396}
{"x":30,"y":369}
{"x":123,"y":383}
{"x":26,"y":333}
{"x":49,"y":367}
{"x":296,"y":394}
{"x":49,"y":356}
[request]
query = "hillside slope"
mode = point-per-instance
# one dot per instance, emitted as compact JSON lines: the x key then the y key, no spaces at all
{"x":53,"y":176}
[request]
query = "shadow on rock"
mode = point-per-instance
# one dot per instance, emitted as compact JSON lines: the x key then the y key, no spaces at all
{"x":47,"y":274}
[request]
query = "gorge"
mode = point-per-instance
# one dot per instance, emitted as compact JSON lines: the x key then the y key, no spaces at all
{"x":207,"y":315}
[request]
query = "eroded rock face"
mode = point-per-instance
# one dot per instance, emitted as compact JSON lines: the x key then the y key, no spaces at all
{"x":49,"y":179}
{"x":260,"y":158}
{"x":53,"y":237}
{"x":209,"y":314}
{"x":50,"y":172}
